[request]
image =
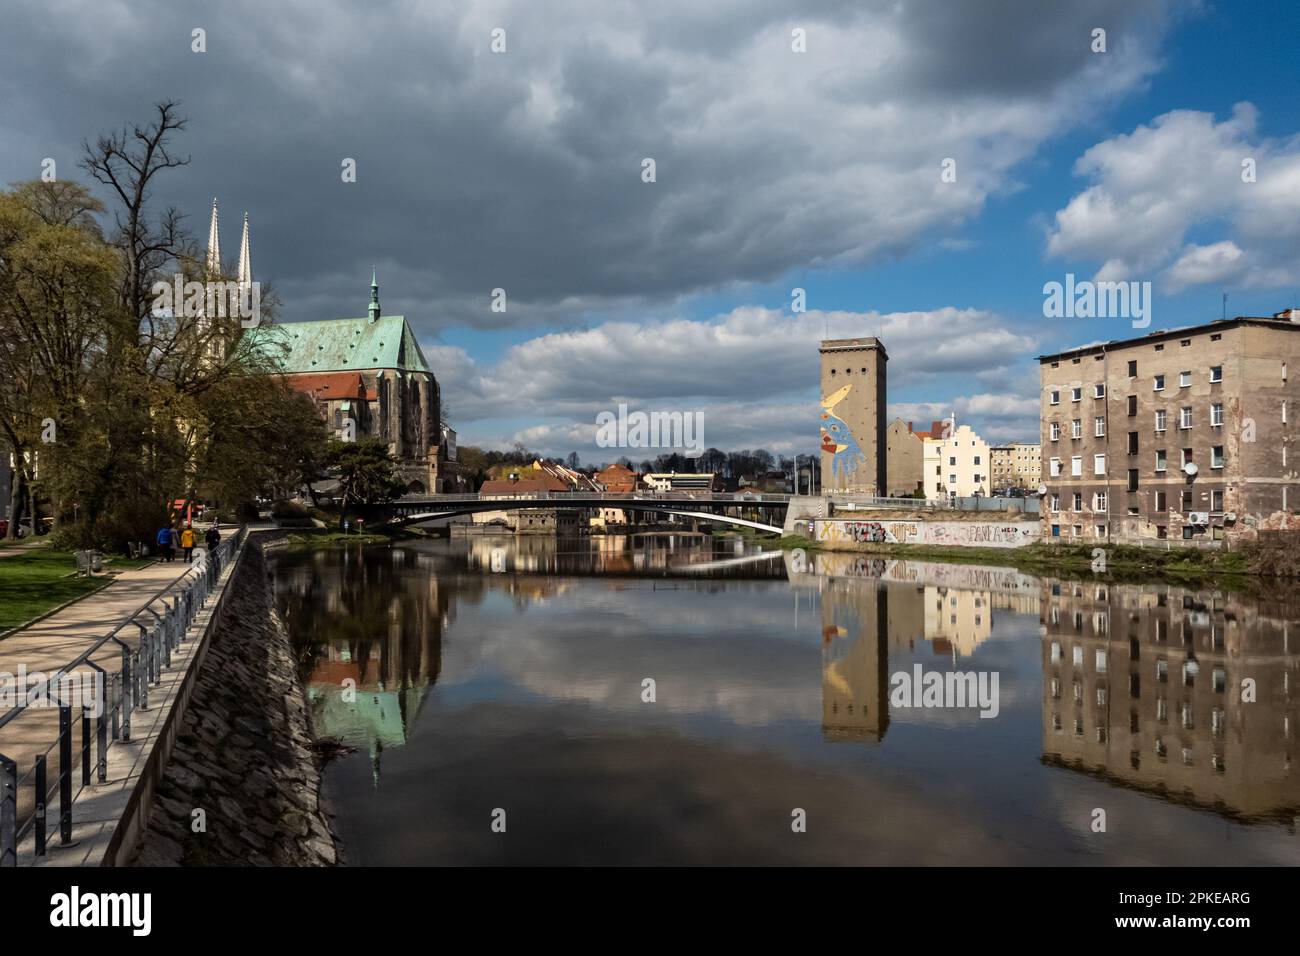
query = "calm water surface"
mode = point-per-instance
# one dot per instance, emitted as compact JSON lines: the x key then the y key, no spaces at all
{"x":509,"y":674}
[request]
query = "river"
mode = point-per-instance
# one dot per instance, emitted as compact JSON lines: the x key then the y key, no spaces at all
{"x":686,"y":700}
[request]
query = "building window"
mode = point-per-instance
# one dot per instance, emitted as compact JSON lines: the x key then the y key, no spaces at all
{"x":977,"y":461}
{"x":1216,"y":373}
{"x":1184,"y":418}
{"x":1132,"y":443}
{"x":952,"y":461}
{"x":1216,"y":456}
{"x":1160,"y":383}
{"x":1054,"y":467}
{"x":1099,"y":464}
{"x":1184,"y":379}
{"x":1056,"y":506}
{"x":1161,"y":463}
{"x":1099,"y":427}
{"x":1132,"y":405}
{"x":1076,"y":465}
{"x":1132,"y":479}
{"x":1056,"y":431}
{"x":1132,"y":368}
{"x":1187,"y":460}
{"x":1099,"y":391}
{"x":1077,"y":501}
{"x":1076,"y":394}
{"x":1216,"y":501}
{"x":1056,"y":397}
{"x":1076,"y":428}
{"x":1216,"y":413}
{"x":1162,"y":503}
{"x":1099,"y":501}
{"x":1161,"y":419}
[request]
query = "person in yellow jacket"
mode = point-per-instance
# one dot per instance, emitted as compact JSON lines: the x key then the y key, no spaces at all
{"x":187,"y":542}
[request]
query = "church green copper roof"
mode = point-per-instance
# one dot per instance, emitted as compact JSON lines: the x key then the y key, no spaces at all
{"x":342,"y":345}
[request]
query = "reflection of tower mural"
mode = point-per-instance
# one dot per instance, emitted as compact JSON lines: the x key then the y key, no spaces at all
{"x":855,"y":704}
{"x":853,"y":416}
{"x":1143,"y":685}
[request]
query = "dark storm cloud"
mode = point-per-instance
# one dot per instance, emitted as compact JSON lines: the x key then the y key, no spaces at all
{"x":522,"y":170}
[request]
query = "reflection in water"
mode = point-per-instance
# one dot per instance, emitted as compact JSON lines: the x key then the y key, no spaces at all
{"x":1190,"y":695}
{"x":501,"y":671}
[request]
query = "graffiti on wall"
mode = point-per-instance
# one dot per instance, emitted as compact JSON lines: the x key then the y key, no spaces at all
{"x":985,"y":534}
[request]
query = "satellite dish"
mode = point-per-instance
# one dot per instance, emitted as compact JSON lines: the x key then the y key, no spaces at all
{"x":1190,"y":468}
{"x":1042,"y":489}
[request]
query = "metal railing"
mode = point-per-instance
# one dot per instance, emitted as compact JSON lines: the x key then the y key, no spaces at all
{"x":162,"y":622}
{"x":718,"y":497}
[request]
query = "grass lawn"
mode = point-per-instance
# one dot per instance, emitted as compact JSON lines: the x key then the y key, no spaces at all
{"x":31,"y":584}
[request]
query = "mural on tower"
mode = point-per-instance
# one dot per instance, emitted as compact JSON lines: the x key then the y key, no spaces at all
{"x":853,"y":438}
{"x":838,"y":440}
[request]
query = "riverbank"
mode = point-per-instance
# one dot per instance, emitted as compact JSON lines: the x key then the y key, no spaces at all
{"x":1120,"y":563}
{"x":243,"y":783}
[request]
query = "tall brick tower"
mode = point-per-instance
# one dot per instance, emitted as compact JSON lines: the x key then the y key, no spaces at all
{"x":853,"y":416}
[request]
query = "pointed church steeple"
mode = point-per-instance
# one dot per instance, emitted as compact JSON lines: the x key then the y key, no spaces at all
{"x":373,"y":311}
{"x":214,"y":243}
{"x":245,"y":258}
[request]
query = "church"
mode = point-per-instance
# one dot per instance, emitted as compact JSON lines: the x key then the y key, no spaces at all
{"x":367,"y":377}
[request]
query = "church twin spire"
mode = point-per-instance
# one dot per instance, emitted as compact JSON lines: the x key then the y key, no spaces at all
{"x":214,"y":250}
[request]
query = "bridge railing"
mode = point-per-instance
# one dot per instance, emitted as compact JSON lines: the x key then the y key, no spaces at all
{"x":101,"y":700}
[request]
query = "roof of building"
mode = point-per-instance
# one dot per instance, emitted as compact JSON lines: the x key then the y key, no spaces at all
{"x":504,"y":486}
{"x":340,"y":345}
{"x":936,"y":430}
{"x":1286,"y":319}
{"x":324,"y":386}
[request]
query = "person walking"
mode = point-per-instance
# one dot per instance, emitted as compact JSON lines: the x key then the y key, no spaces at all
{"x":187,"y":542}
{"x":165,"y":549}
{"x":213,"y":538}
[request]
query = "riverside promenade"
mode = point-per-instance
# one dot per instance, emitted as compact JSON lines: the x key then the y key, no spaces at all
{"x":52,"y":643}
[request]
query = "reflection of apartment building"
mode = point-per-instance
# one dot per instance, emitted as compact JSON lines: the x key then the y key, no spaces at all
{"x":1017,"y":465}
{"x":855,"y":663}
{"x":1145,"y":686}
{"x":956,"y":465}
{"x":1180,"y":434}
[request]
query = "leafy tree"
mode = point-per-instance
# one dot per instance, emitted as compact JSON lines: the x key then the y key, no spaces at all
{"x":365,"y":471}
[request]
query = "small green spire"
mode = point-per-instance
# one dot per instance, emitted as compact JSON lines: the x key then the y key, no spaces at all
{"x":373,"y":312}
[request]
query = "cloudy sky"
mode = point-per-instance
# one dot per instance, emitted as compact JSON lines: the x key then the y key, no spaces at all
{"x":774,"y":170}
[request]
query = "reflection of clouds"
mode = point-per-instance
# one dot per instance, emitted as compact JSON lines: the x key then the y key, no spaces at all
{"x":609,"y":640}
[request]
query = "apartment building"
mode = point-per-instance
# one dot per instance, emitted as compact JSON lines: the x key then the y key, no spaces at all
{"x":1017,"y":465}
{"x":1182,"y":434}
{"x":956,"y":465}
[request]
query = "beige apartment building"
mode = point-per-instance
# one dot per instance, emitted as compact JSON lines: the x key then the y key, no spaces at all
{"x":957,"y":465}
{"x":853,"y":416}
{"x":1183,"y":434}
{"x":1017,"y":465}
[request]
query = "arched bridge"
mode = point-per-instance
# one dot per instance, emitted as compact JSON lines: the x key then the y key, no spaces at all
{"x":705,"y":506}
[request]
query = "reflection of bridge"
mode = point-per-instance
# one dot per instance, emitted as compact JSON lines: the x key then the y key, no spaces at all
{"x":703,"y":506}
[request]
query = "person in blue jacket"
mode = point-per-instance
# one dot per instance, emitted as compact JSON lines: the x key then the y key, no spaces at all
{"x":166,"y":543}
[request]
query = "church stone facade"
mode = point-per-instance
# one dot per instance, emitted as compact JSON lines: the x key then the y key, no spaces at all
{"x":369,"y":378}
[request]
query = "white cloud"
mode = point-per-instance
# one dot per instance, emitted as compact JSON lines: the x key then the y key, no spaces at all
{"x":1156,"y":187}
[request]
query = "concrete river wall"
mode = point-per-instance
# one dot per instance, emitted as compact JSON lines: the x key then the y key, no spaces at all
{"x":242,"y":785}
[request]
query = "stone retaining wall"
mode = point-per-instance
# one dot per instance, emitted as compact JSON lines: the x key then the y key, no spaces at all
{"x":242,"y":787}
